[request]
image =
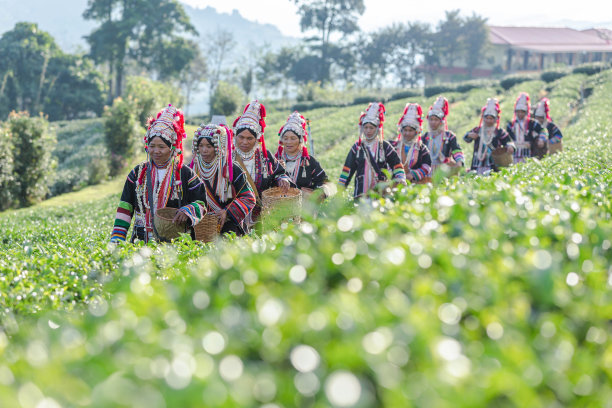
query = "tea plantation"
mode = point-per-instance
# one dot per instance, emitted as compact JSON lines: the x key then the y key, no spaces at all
{"x":471,"y":292}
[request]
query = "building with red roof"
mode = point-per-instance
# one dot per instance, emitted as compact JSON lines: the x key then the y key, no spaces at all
{"x":532,"y":49}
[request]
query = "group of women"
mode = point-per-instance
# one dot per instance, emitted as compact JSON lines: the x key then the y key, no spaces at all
{"x":228,"y":174}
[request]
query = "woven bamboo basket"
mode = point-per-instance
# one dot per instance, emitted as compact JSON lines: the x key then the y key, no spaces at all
{"x":424,"y":180}
{"x":306,"y":193}
{"x":166,"y":229}
{"x":501,"y":157}
{"x":539,"y":152}
{"x":448,"y":170}
{"x":555,"y":147}
{"x":208,"y":228}
{"x":287,"y":205}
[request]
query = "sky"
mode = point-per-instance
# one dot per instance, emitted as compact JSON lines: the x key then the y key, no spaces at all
{"x":381,"y":13}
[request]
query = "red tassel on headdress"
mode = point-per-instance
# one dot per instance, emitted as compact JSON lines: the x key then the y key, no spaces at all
{"x":262,"y":123}
{"x":481,"y":116}
{"x":546,"y":103}
{"x":305,"y":152}
{"x":279,"y":150}
{"x":399,"y":122}
{"x":420,"y":112}
{"x":230,"y":149}
{"x":179,"y":129}
{"x":445,"y":110}
{"x":381,"y":117}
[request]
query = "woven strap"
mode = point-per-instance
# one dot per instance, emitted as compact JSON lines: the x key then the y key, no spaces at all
{"x":249,"y":179}
{"x":151,"y":209}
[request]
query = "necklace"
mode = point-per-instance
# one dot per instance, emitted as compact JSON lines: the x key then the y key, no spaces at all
{"x":207,"y":170}
{"x":248,"y":155}
{"x":292,"y":165}
{"x":486,"y":137}
{"x":409,"y":150}
{"x":435,"y":146}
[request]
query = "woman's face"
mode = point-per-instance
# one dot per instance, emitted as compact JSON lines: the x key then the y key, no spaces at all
{"x":207,"y":151}
{"x":245,"y":141}
{"x":370,"y":131}
{"x":490,"y":121}
{"x":159,"y":151}
{"x":520,"y":114}
{"x":291,"y":142}
{"x":434,"y":122}
{"x":408,"y":133}
{"x":540,"y":119}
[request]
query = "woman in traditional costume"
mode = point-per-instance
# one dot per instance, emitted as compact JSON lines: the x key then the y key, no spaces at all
{"x":161,"y":181}
{"x":545,"y":125}
{"x":441,"y":143}
{"x":488,"y":136}
{"x":262,"y":169}
{"x":303,"y":169}
{"x":370,"y":154}
{"x":228,"y":193}
{"x":522,"y":128}
{"x":412,"y":152}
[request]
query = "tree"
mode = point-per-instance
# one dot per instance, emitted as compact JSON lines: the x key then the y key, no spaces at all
{"x":411,"y":44}
{"x":26,"y":52}
{"x":220,"y":44}
{"x":476,"y":37}
{"x":38,"y":77}
{"x":327,"y":17}
{"x":144,"y":31}
{"x":273,"y":69}
{"x":375,"y":52}
{"x":449,"y":37}
{"x":33,"y":166}
{"x":247,"y":81}
{"x":226,"y":99}
{"x":150,"y":96}
{"x":75,"y":88}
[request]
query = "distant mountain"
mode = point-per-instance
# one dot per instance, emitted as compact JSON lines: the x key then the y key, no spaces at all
{"x":64,"y":21}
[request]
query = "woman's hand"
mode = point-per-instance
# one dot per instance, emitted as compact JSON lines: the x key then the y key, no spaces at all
{"x":473,"y":135}
{"x":409,"y":176}
{"x":180,"y":217}
{"x":284,"y":185}
{"x":510,"y":149}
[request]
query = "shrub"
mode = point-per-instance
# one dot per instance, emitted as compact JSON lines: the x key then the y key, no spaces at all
{"x":469,"y":85}
{"x":591,"y":69}
{"x":121,"y":131}
{"x":33,"y":165}
{"x":68,"y":180}
{"x":550,"y":76}
{"x":438,"y":89}
{"x":408,"y":93}
{"x":360,"y":100}
{"x":304,"y":106}
{"x":98,"y":170}
{"x":226,"y":99}
{"x":151,"y":96}
{"x":509,"y":81}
